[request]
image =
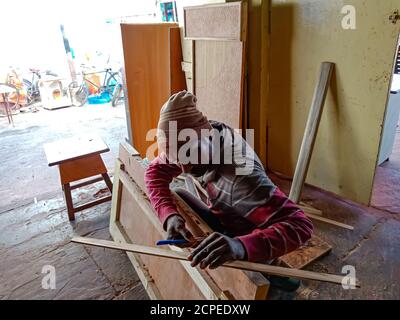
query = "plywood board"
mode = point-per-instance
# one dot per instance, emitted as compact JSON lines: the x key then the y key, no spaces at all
{"x":303,"y":34}
{"x":214,"y":22}
{"x":172,"y":280}
{"x":152,"y":55}
{"x":302,"y":257}
{"x":219,"y":80}
{"x":244,"y":285}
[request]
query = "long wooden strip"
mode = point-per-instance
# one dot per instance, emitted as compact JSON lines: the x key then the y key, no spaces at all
{"x":332,"y":222}
{"x":310,"y":133}
{"x":242,"y":265}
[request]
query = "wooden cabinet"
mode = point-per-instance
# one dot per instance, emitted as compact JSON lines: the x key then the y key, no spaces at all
{"x":153,"y":72}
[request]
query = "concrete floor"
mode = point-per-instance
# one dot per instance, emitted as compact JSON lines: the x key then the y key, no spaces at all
{"x":386,"y":193}
{"x":34,"y":229}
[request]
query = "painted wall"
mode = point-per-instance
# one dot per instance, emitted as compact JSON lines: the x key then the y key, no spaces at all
{"x":303,"y":34}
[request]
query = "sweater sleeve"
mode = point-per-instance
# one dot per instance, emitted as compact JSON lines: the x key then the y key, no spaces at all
{"x":157,"y":177}
{"x":281,"y":228}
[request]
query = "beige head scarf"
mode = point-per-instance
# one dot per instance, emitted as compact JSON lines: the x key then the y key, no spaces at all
{"x":180,"y":108}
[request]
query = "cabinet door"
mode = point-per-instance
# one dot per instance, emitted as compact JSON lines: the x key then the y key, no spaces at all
{"x":152,"y":56}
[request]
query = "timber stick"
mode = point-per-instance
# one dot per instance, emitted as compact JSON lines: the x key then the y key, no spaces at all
{"x":310,"y":133}
{"x":308,"y":209}
{"x":242,"y":265}
{"x":332,"y":222}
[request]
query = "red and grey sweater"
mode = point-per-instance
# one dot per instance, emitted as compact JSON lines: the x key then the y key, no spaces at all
{"x":249,"y":206}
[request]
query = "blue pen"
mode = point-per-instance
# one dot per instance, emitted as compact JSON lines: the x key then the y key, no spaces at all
{"x":167,"y":242}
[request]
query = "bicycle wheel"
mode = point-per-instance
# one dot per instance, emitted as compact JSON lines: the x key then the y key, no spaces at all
{"x":12,"y":96}
{"x":112,"y":82}
{"x":114,"y":88}
{"x":79,"y":93}
{"x":116,"y":95}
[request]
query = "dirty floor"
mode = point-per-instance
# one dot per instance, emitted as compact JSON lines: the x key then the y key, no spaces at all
{"x":35,"y":231}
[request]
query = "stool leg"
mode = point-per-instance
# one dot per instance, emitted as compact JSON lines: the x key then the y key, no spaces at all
{"x":68,"y":200}
{"x":107,"y":180}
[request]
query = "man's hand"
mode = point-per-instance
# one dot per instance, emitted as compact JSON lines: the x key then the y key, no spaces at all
{"x":176,"y":229}
{"x":215,"y":250}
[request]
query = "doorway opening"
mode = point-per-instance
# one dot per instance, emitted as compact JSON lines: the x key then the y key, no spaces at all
{"x":386,"y":190}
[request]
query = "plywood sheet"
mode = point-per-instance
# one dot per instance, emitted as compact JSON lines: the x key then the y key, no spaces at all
{"x":216,"y":22}
{"x":172,"y":280}
{"x":303,"y":34}
{"x":152,"y":53}
{"x":219,"y":80}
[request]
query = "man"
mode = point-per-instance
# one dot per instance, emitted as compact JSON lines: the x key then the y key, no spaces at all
{"x":253,"y":219}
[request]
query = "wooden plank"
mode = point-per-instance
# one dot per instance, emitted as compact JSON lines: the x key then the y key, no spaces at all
{"x":141,"y":231}
{"x":347,"y":147}
{"x":247,"y":285}
{"x":305,"y":255}
{"x":132,"y":164}
{"x":243,"y":265}
{"x":214,"y":22}
{"x":177,"y":82}
{"x":329,"y":221}
{"x":119,"y":235}
{"x":309,"y":209}
{"x":218,"y":80}
{"x":74,"y":148}
{"x":311,"y":130}
{"x":147,"y":225}
{"x":258,"y":53}
{"x":152,"y":56}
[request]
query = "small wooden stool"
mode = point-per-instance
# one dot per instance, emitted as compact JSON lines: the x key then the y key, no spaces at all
{"x":77,"y":159}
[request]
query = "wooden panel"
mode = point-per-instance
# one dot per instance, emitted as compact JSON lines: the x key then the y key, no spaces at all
{"x":150,"y":61}
{"x":178,"y":81}
{"x":258,"y":73}
{"x":74,"y":148}
{"x":219,"y":80}
{"x":172,"y":280}
{"x":214,"y":22}
{"x":81,"y":168}
{"x":245,"y":285}
{"x":303,"y":34}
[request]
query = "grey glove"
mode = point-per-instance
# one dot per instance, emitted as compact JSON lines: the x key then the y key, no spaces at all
{"x":215,"y":250}
{"x":176,"y":229}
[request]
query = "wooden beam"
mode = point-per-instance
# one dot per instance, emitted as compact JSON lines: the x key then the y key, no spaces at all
{"x":308,"y":209}
{"x":332,"y":222}
{"x":242,"y":265}
{"x":311,"y":130}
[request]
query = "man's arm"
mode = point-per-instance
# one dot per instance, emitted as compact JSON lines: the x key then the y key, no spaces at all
{"x":158,"y":176}
{"x":282,"y":228}
{"x":279,"y":231}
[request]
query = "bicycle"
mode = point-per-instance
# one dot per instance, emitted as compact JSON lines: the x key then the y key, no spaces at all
{"x":112,"y":85}
{"x":32,"y":87}
{"x":9,"y":96}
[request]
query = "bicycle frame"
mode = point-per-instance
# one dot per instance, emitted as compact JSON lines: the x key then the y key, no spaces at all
{"x":108,"y":74}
